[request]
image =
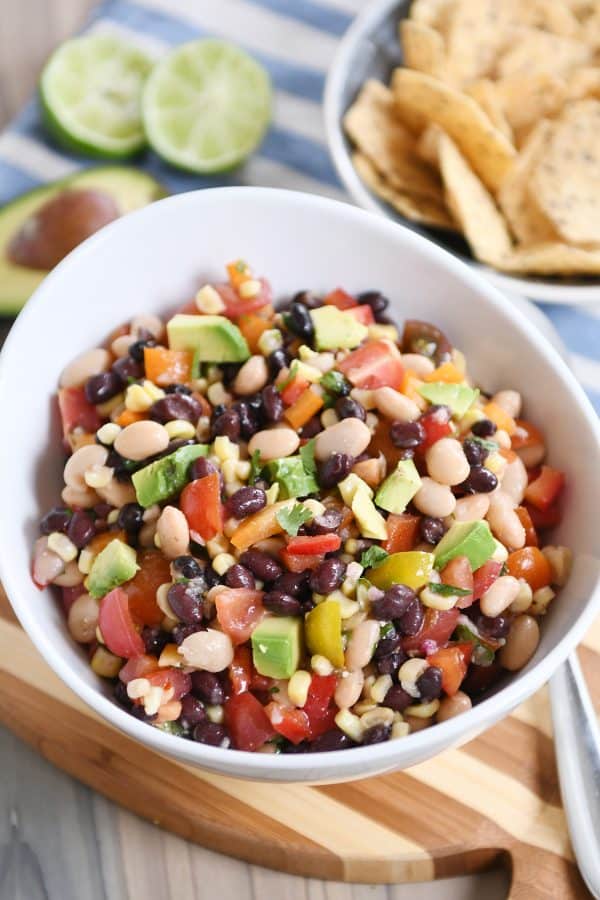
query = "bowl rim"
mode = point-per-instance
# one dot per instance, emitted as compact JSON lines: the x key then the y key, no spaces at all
{"x":536,"y":288}
{"x":290,"y":766}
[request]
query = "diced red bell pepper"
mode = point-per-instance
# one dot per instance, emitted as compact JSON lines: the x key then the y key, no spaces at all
{"x":531,"y":538}
{"x":116,"y":625}
{"x":239,"y":610}
{"x":436,"y":424}
{"x":294,"y":390}
{"x":247,"y":722}
{"x":170,"y":677}
{"x":76,"y":411}
{"x":484,"y":577}
{"x":319,"y":704}
{"x":453,"y":661}
{"x":138,"y":667}
{"x":290,"y":722}
{"x":240,"y":670}
{"x":458,"y":573}
{"x":202,"y":507}
{"x":403,"y":531}
{"x":377,"y":364}
{"x":296,"y":563}
{"x":544,"y":491}
{"x":525,"y":435}
{"x":531,"y":565}
{"x":547,"y":518}
{"x":312,"y":545}
{"x":340,"y":298}
{"x":362,"y":314}
{"x":437,"y":628}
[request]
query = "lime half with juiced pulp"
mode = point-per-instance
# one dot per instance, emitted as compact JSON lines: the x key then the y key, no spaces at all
{"x":91,"y":89}
{"x":206,"y":106}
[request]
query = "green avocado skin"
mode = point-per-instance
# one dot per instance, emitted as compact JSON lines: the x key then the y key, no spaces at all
{"x":167,"y":476}
{"x":293,"y":479}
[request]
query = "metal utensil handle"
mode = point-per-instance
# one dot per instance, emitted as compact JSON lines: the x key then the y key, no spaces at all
{"x":577,"y":741}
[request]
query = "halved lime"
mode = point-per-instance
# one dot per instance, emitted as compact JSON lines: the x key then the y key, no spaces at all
{"x":206,"y":106}
{"x":91,"y":91}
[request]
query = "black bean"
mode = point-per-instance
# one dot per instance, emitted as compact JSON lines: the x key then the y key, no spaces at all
{"x":328,"y":521}
{"x":475,"y":452}
{"x":131,"y":518}
{"x":272,"y":403}
{"x":375,"y":300}
{"x":229,"y":372}
{"x":261,"y":564}
{"x":178,"y":389}
{"x":120,"y":694}
{"x":496,"y":627}
{"x":249,"y":419}
{"x":347,"y":408}
{"x":103,"y":387}
{"x":376,"y":734}
{"x":176,"y":406}
{"x":389,"y":665}
{"x":181,"y":632}
{"x":394,"y":603}
{"x":484,"y":428}
{"x":412,"y":620}
{"x":388,"y":642}
{"x":155,"y":639}
{"x":331,"y":740}
{"x":186,"y":567}
{"x":479,"y":481}
{"x":429,"y":684}
{"x":136,"y":350}
{"x":122,"y":467}
{"x":192,"y":711}
{"x":81,"y":528}
{"x":207,"y":687}
{"x":407,"y":435}
{"x":201,"y":467}
{"x":246,"y":501}
{"x":328,"y":575}
{"x":282,"y":604}
{"x":277,"y":360}
{"x":397,"y":698}
{"x":308,"y":298}
{"x":128,"y":369}
{"x":227,"y":424}
{"x":432,"y":529}
{"x":211,"y":733}
{"x":185,"y":599}
{"x":334,"y":469}
{"x":240,"y":577}
{"x":294,"y":583}
{"x":56,"y":519}
{"x":312,"y":427}
{"x":299,"y":321}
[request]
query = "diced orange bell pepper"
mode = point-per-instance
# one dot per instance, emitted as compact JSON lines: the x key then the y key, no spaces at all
{"x":402,"y":532}
{"x":252,"y":326}
{"x":238,"y":272}
{"x":165,"y":367}
{"x":499,"y":417}
{"x":526,"y":435}
{"x":447,"y":372}
{"x":294,"y":390}
{"x":128,"y":416}
{"x":453,"y":661}
{"x":259,"y":526}
{"x":531,"y":538}
{"x":340,"y":298}
{"x":531,"y":565}
{"x":410,"y":388}
{"x":304,"y":408}
{"x":103,"y":539}
{"x":545,"y":489}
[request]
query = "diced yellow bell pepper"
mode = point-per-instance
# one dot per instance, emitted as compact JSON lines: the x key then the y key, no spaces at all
{"x":323,"y":632}
{"x":412,"y":568}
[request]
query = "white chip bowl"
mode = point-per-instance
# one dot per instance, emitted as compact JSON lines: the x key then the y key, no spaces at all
{"x":153,"y":261}
{"x":370,"y":49}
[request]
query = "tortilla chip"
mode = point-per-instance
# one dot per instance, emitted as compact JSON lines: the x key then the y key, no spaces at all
{"x":472,"y":205}
{"x":434,"y":13}
{"x":551,"y":259}
{"x":487,"y":149}
{"x":372,"y":124}
{"x":423,"y":48}
{"x":566,"y":182}
{"x":428,"y":145}
{"x":485,"y":94}
{"x":584,"y":83}
{"x":527,"y":221}
{"x":417,"y":209}
{"x":533,"y":51}
{"x":527,"y":100}
{"x":591,"y":29}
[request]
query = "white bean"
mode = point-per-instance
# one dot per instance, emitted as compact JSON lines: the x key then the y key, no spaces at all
{"x":499,"y":596}
{"x":274,"y":443}
{"x":561,"y":563}
{"x":149,"y":323}
{"x":472,"y":508}
{"x":173,"y":532}
{"x":71,"y":576}
{"x":514,"y":481}
{"x":210,"y":650}
{"x":362,"y":644}
{"x":82,"y":497}
{"x":142,"y":439}
{"x":83,"y":619}
{"x":47,"y":565}
{"x":117,"y":493}
{"x":510,"y":402}
{"x":419,"y":364}
{"x":92,"y":362}
{"x":453,"y":706}
{"x":83,"y":458}
{"x":395,"y":405}
{"x":521,"y":643}
{"x":349,"y":688}
{"x":504,"y":521}
{"x":120,"y":346}
{"x":433,"y":499}
{"x":446,"y":462}
{"x":252,"y":377}
{"x":350,"y":436}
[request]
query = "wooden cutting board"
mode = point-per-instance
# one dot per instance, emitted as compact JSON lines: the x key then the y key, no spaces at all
{"x":495,"y":800}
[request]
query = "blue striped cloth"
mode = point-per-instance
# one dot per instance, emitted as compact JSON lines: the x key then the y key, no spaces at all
{"x":295,"y":40}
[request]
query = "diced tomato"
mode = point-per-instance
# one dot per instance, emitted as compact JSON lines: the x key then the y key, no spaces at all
{"x":314,"y":545}
{"x":436,"y":424}
{"x":247,"y":721}
{"x":236,"y":306}
{"x":69,"y":595}
{"x":525,"y":435}
{"x":138,"y":667}
{"x":362,"y":314}
{"x":544,"y":491}
{"x":319,"y":704}
{"x":377,"y":364}
{"x":76,"y":411}
{"x":294,"y":390}
{"x":340,"y":298}
{"x":170,"y":677}
{"x":484,"y":577}
{"x":531,"y":565}
{"x":547,"y":518}
{"x":240,"y":670}
{"x":154,"y":570}
{"x":437,"y":628}
{"x":403,"y":532}
{"x":290,"y":722}
{"x":453,"y":661}
{"x":117,"y":627}
{"x":239,"y":611}
{"x":531,"y":538}
{"x":201,"y":505}
{"x":458,"y":573}
{"x":300,"y":563}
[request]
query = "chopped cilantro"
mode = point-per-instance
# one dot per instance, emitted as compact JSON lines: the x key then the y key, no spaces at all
{"x":307,"y":455}
{"x":290,"y":378}
{"x":447,"y":590}
{"x":491,"y":446}
{"x":255,"y":467}
{"x":172,"y":728}
{"x":292,"y":519}
{"x":241,"y":266}
{"x":334,"y":382}
{"x":373,"y":556}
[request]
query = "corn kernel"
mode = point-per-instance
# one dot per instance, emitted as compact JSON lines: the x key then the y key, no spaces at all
{"x":351,"y":546}
{"x":320,"y":665}
{"x":107,"y":433}
{"x":225,"y":449}
{"x":199,"y":385}
{"x":231,"y":487}
{"x":217,"y":394}
{"x":348,"y":607}
{"x":272,"y":494}
{"x":541,"y":601}
{"x":380,"y":688}
{"x":228,"y":468}
{"x":209,"y":301}
{"x":203,"y":429}
{"x":561,"y":563}
{"x":223,"y":562}
{"x":242,"y":469}
{"x":500,"y":554}
{"x":400,"y":730}
{"x":315,"y":506}
{"x":153,"y":700}
{"x":98,"y":476}
{"x":306,"y":354}
{"x":365,"y":397}
{"x":496,"y":463}
{"x":502,"y":438}
{"x":109,"y":406}
{"x":137,"y":399}
{"x":219,"y":544}
{"x":349,"y":724}
{"x":468,"y":420}
{"x":270,"y":340}
{"x":62,"y":546}
{"x":170,"y":657}
{"x":423,"y":710}
{"x":363,"y":706}
{"x":154,"y":392}
{"x":84,"y":563}
{"x":329,"y":418}
{"x":113,"y":516}
{"x":379,"y":715}
{"x":138,"y":688}
{"x":298,"y":686}
{"x":459,"y":361}
{"x":213,"y":374}
{"x":215,"y":714}
{"x":180,"y":429}
{"x":230,"y":526}
{"x":389,"y":332}
{"x":249,"y":289}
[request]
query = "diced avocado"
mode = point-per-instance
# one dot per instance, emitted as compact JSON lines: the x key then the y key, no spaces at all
{"x":211,"y":338}
{"x":276,"y":646}
{"x":399,"y":488}
{"x":113,"y":565}
{"x":292,"y":477}
{"x":411,"y":567}
{"x":458,"y":397}
{"x":323,"y":629}
{"x":370,"y":522}
{"x":471,"y":539}
{"x":350,"y":485}
{"x":161,"y":479}
{"x":336,"y":329}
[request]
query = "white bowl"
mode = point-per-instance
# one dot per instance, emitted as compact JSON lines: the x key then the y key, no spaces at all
{"x":152,"y":261}
{"x":370,"y":49}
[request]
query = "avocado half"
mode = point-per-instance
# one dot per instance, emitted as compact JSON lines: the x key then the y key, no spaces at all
{"x":129,"y":188}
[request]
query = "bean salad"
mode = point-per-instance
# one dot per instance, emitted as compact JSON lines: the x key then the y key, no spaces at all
{"x":297,"y":528}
